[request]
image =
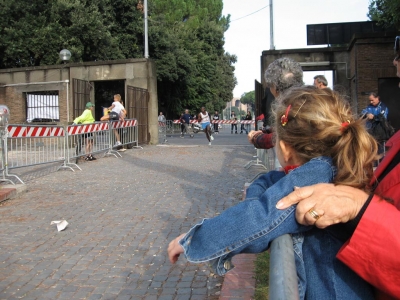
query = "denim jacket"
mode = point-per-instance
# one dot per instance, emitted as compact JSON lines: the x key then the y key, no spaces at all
{"x":251,"y":225}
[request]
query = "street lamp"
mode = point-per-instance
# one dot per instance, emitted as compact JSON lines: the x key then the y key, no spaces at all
{"x":65,"y":55}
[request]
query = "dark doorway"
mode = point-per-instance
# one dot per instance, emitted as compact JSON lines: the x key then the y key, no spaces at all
{"x":389,"y":93}
{"x":104,"y":92}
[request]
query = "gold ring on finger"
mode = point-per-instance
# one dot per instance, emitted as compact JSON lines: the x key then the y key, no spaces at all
{"x":314,"y":214}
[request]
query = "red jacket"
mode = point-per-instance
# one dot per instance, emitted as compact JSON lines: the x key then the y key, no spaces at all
{"x":373,"y":251}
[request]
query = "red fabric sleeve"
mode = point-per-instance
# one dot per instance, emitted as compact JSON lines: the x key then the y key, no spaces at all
{"x":373,"y":251}
{"x":263,"y":141}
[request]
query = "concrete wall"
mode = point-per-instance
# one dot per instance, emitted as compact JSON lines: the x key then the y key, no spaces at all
{"x":139,"y":73}
{"x":357,"y":68}
{"x":313,"y":55}
{"x":372,"y":58}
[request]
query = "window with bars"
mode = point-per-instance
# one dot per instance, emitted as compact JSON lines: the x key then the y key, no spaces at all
{"x":42,"y":106}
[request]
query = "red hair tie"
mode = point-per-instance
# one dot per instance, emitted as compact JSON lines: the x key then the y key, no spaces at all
{"x":285,"y":117}
{"x":344,"y":125}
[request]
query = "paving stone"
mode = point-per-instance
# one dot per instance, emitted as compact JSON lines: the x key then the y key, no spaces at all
{"x":122,"y":213}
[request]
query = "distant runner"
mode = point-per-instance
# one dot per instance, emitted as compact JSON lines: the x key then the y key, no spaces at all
{"x":204,"y":120}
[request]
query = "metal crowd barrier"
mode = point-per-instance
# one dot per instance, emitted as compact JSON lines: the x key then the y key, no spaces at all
{"x":98,"y":134}
{"x":125,"y":132}
{"x":32,"y":145}
{"x":162,"y":132}
{"x":174,"y":126}
{"x":282,"y":270}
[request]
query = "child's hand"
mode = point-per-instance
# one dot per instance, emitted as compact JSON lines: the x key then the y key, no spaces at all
{"x":174,"y":249}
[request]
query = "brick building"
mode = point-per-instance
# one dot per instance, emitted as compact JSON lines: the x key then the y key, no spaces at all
{"x":364,"y":66}
{"x":59,"y":93}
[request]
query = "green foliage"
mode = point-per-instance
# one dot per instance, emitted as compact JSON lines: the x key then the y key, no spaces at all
{"x":385,"y":12}
{"x":186,"y":39}
{"x":249,"y":98}
{"x":262,"y":276}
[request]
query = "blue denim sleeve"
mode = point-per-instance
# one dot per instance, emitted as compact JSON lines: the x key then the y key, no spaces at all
{"x":251,"y":225}
{"x":259,"y":186}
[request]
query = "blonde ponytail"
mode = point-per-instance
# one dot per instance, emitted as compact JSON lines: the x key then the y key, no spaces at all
{"x":320,"y":123}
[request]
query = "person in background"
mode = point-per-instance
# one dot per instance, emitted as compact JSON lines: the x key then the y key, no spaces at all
{"x":185,"y":121}
{"x":374,"y":110}
{"x":86,"y":118}
{"x":161,"y":117}
{"x":376,"y":114}
{"x":280,"y":75}
{"x":242,"y":118}
{"x":204,"y":119}
{"x":117,"y":112}
{"x":248,"y":118}
{"x":216,"y":118}
{"x":320,"y":82}
{"x":372,"y":220}
{"x":234,"y":124}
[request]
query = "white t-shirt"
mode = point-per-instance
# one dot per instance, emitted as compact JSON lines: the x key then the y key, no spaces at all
{"x":205,"y":118}
{"x":118,"y":107}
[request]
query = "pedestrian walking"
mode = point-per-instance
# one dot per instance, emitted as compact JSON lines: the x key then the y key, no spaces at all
{"x":216,"y":125}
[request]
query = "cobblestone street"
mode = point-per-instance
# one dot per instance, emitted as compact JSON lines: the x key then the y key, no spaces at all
{"x":121,"y":213}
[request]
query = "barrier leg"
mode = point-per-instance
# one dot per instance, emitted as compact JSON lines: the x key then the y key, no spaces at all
{"x":256,"y":162}
{"x":67,"y":164}
{"x":112,"y":141}
{"x":5,"y":162}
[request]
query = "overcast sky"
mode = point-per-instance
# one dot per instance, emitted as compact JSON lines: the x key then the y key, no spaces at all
{"x":249,"y":32}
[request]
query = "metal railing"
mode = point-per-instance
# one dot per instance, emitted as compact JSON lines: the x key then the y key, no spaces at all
{"x":32,"y":145}
{"x":282,"y":273}
{"x":282,"y":270}
{"x":162,"y":132}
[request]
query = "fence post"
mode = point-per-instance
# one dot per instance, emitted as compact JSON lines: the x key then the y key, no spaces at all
{"x":4,"y":115}
{"x":282,"y":270}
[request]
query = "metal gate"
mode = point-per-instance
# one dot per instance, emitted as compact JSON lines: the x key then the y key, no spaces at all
{"x":259,"y":94}
{"x":136,"y":104}
{"x":80,"y":96}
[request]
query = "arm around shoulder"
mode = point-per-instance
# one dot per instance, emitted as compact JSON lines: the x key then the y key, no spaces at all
{"x":373,"y":250}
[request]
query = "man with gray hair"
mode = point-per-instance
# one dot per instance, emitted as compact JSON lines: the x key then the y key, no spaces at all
{"x":320,"y":82}
{"x":280,"y":75}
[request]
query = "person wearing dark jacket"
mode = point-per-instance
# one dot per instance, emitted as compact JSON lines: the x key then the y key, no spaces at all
{"x":185,"y":121}
{"x":280,"y":75}
{"x":216,"y":118}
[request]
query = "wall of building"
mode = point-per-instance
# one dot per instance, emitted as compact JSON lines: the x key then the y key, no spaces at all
{"x":372,"y":57}
{"x":357,"y":68}
{"x":15,"y":82}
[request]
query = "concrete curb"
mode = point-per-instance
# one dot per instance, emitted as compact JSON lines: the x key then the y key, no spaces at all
{"x":240,"y":283}
{"x":10,"y":191}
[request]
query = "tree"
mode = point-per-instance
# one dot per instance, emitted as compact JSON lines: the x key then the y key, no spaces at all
{"x":385,"y":12}
{"x":186,"y":40}
{"x":187,"y":44}
{"x":249,"y":98}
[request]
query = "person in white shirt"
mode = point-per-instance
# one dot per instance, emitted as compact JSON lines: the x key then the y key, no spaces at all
{"x":115,"y":112}
{"x":161,"y":117}
{"x":204,"y":120}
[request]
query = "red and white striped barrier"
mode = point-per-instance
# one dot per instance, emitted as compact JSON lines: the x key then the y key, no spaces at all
{"x":179,"y":121}
{"x":34,"y":131}
{"x":122,"y":124}
{"x":80,"y":129}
